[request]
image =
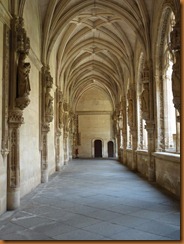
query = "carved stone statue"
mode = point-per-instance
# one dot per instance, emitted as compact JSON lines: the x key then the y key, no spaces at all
{"x":130,"y":112}
{"x":130,"y":108}
{"x":23,"y":83}
{"x":145,"y":101}
{"x":61,"y":113}
{"x":48,"y":102}
{"x":176,"y":81}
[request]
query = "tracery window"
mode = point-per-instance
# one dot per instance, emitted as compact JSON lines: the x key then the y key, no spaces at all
{"x":142,"y":132}
{"x":168,"y":128}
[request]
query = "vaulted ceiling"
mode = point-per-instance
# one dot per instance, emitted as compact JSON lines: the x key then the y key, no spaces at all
{"x":94,"y":42}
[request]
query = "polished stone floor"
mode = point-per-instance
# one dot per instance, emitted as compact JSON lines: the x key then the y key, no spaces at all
{"x":94,"y":200}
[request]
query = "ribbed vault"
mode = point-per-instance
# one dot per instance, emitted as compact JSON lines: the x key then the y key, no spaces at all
{"x":94,"y":41}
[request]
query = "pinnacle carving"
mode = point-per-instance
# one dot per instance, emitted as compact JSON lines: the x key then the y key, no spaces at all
{"x":22,"y":47}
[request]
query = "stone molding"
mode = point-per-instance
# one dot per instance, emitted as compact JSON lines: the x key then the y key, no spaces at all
{"x":168,"y":156}
{"x":5,"y":94}
{"x":15,"y":118}
{"x":5,"y":16}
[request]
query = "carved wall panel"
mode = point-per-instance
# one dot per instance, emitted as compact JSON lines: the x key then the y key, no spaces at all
{"x":5,"y":95}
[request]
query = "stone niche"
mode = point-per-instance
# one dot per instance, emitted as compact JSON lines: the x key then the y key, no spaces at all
{"x":94,"y":111}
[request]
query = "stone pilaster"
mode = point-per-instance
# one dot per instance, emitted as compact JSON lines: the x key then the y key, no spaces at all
{"x":150,"y":127}
{"x":5,"y":98}
{"x":132,"y":124}
{"x":134,"y":147}
{"x":65,"y":148}
{"x":176,"y":75}
{"x":19,"y":89}
{"x":47,"y":117}
{"x":58,"y":128}
{"x":13,"y":180}
{"x":44,"y":153}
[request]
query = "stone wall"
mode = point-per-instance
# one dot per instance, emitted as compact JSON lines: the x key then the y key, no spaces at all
{"x":30,"y":158}
{"x":95,"y":121}
{"x":3,"y":164}
{"x":168,"y":172}
{"x":142,"y":162}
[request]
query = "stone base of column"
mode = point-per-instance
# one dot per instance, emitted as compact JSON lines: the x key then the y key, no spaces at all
{"x":13,"y":199}
{"x":58,"y":167}
{"x":151,"y":175}
{"x":66,"y":162}
{"x":44,"y":176}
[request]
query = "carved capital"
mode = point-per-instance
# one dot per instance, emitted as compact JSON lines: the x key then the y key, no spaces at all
{"x":22,"y":102}
{"x":45,"y":127}
{"x":150,"y":126}
{"x":15,"y":118}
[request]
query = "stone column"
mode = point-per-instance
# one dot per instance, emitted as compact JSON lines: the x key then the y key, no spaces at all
{"x":44,"y":153}
{"x":13,"y":182}
{"x":5,"y":95}
{"x":19,"y":90}
{"x":58,"y":128}
{"x":132,"y":123}
{"x":150,"y":127}
{"x":57,"y":146}
{"x":147,"y":106}
{"x":134,"y":147}
{"x":47,"y":117}
{"x":65,"y":147}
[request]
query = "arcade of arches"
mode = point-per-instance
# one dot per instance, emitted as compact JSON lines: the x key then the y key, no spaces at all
{"x":93,"y":78}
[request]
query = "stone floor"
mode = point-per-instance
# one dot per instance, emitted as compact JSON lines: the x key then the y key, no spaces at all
{"x":94,"y":200}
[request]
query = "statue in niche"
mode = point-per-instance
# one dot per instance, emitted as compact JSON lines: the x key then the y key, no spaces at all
{"x":130,"y":108}
{"x":176,"y":76}
{"x":48,"y":102}
{"x":23,"y":83}
{"x":120,"y":121}
{"x":60,"y":114}
{"x":145,"y":101}
{"x":130,"y":112}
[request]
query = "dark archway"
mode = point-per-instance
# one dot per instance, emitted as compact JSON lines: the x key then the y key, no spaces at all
{"x":110,"y":149}
{"x":98,"y":148}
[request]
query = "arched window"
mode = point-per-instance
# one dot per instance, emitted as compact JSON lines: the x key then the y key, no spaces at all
{"x":142,"y":132}
{"x":168,"y":130}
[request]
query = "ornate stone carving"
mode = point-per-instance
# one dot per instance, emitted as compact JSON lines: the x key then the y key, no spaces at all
{"x":47,"y":99}
{"x":23,"y":84}
{"x":176,"y":75}
{"x":130,"y":107}
{"x":23,"y":42}
{"x":61,"y":111}
{"x":21,"y":45}
{"x":145,"y":101}
{"x":120,"y":120}
{"x":15,"y":118}
{"x":5,"y":94}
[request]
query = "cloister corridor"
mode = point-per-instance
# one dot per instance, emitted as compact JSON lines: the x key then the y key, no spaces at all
{"x":90,"y":119}
{"x":94,"y":199}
